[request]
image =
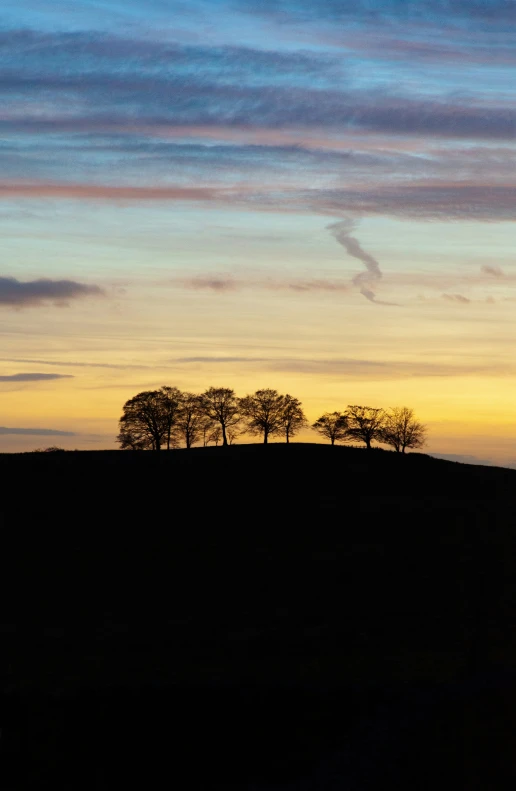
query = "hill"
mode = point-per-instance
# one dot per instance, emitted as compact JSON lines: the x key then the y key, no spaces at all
{"x":257,"y":617}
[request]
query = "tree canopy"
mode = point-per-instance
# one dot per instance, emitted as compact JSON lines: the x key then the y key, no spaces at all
{"x":221,"y":405}
{"x":401,"y":429}
{"x":332,"y":425}
{"x":293,"y":418}
{"x":263,"y":412}
{"x":364,"y":423}
{"x":146,"y":420}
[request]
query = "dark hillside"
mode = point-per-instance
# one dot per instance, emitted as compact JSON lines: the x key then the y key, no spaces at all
{"x":257,"y":617}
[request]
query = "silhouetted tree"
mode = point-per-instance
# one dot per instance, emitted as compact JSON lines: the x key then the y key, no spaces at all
{"x":233,"y":432}
{"x":190,"y":423}
{"x":148,"y":418}
{"x":171,"y":403}
{"x":293,"y":418}
{"x":132,"y":439}
{"x":364,"y":423}
{"x":402,"y":430}
{"x":207,"y":428}
{"x":215,"y":436}
{"x":332,"y":425}
{"x":221,"y":405}
{"x":263,"y":413}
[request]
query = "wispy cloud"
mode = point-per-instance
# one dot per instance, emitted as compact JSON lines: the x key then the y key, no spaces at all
{"x":107,"y":192}
{"x":460,"y":298}
{"x":492,"y":271}
{"x":365,"y":280}
{"x":75,"y":364}
{"x":228,"y":283}
{"x":423,"y":200}
{"x":16,"y":293}
{"x":353,"y":368}
{"x":33,"y":377}
{"x":40,"y":432}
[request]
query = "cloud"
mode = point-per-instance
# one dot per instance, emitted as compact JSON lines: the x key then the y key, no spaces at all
{"x":228,"y":283}
{"x":422,"y":200}
{"x":221,"y":359}
{"x":197,"y":102}
{"x":352,"y":368}
{"x":34,"y":377}
{"x":215,"y":283}
{"x":41,"y":432}
{"x":457,"y":298}
{"x":104,"y":192}
{"x":501,"y":11}
{"x":342,"y":232}
{"x":492,"y":271}
{"x":15,"y":293}
{"x":108,"y":82}
{"x":74,"y":364}
{"x":93,"y":54}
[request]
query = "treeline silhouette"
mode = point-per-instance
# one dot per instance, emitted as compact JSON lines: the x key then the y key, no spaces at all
{"x":168,"y":417}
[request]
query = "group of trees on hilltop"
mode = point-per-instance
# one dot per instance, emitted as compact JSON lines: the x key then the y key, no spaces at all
{"x":168,"y":417}
{"x":165,"y":418}
{"x":397,"y":427}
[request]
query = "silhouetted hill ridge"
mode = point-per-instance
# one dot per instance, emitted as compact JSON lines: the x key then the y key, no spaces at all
{"x":327,"y":597}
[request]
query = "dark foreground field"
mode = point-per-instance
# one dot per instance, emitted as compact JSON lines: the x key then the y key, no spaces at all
{"x":281,"y":617}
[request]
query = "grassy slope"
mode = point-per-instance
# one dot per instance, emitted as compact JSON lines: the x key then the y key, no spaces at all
{"x":314,"y":593}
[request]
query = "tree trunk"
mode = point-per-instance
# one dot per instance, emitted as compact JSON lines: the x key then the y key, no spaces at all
{"x":368,"y":443}
{"x":224,"y":435}
{"x":333,"y":440}
{"x":265,"y":437}
{"x":187,"y":439}
{"x":286,"y":436}
{"x":157,"y":444}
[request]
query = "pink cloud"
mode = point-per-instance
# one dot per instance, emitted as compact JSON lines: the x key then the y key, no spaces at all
{"x":104,"y":192}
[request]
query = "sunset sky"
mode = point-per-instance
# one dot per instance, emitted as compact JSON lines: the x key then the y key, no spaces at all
{"x":317,"y":197}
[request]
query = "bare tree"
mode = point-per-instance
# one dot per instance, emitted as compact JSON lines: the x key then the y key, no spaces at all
{"x":234,"y":432}
{"x":214,"y":436}
{"x":293,"y":418}
{"x":332,"y":425}
{"x":190,"y":424}
{"x":144,"y":418}
{"x":402,"y":430}
{"x":172,"y":399}
{"x":263,"y":413}
{"x":207,"y":428}
{"x":133,"y":439}
{"x":221,"y":405}
{"x":364,"y":423}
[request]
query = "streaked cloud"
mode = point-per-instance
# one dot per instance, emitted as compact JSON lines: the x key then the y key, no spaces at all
{"x":429,"y":200}
{"x":353,"y":368}
{"x":30,"y":377}
{"x":228,"y":283}
{"x":39,"y":432}
{"x":75,"y":363}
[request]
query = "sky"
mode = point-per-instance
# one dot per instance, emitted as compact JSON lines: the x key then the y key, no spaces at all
{"x":313,"y":197}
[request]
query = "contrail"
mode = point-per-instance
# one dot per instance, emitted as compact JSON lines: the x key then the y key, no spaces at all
{"x":365,"y":280}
